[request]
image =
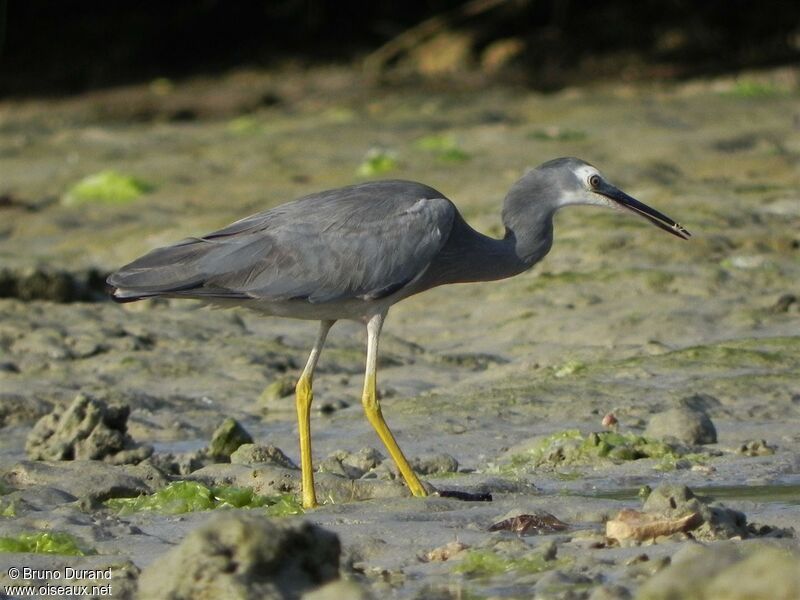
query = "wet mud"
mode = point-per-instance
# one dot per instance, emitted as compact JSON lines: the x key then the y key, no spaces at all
{"x":504,"y":389}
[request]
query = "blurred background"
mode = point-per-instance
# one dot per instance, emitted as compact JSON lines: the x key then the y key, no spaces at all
{"x":54,"y":47}
{"x":147,"y":121}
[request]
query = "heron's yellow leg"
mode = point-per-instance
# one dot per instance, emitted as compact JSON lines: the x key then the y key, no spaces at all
{"x":304,"y":395}
{"x":303,"y":399}
{"x":372,"y":408}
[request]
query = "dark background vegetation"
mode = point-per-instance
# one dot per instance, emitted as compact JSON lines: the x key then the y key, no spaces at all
{"x":69,"y":46}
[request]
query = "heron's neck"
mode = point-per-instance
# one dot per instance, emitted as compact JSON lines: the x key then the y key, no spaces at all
{"x":472,"y":256}
{"x":529,"y":231}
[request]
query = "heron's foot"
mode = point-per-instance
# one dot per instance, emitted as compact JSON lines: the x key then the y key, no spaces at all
{"x":415,"y":485}
{"x":309,"y":499}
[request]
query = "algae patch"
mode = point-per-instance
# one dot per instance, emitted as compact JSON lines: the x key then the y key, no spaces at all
{"x":44,"y":543}
{"x":110,"y":187}
{"x":444,"y":147}
{"x":377,"y":161}
{"x":190,"y":496}
{"x":572,"y":447}
{"x":9,"y":510}
{"x":487,"y":563}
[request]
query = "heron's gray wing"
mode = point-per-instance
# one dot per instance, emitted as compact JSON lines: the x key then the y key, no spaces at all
{"x":363,"y":241}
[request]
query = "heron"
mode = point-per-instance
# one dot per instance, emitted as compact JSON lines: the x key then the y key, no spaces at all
{"x":353,"y":252}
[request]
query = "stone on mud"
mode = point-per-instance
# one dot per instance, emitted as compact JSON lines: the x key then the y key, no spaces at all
{"x":685,"y":424}
{"x":251,"y":454}
{"x":756,"y":448}
{"x":227,"y":438}
{"x":275,"y":395}
{"x":89,"y":479}
{"x":268,"y":480}
{"x":244,"y":556}
{"x":718,"y":521}
{"x":88,"y":429}
{"x":727,"y":572}
{"x":18,"y":409}
{"x":181,"y":463}
{"x":352,"y":464}
{"x":435,"y":464}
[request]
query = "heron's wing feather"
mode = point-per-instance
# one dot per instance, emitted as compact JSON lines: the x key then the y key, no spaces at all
{"x":362,"y":252}
{"x":364,"y":241}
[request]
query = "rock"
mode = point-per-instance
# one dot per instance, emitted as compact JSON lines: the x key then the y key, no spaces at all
{"x":764,"y":572}
{"x":18,"y":409}
{"x":334,"y":464}
{"x":264,"y":480}
{"x":227,"y":438}
{"x":90,"y":479}
{"x":638,"y":526}
{"x":677,"y":501}
{"x":339,"y":590}
{"x":250,"y":454}
{"x":556,"y":580}
{"x":684,"y":424}
{"x":365,"y":459}
{"x":276,"y":394}
{"x":39,"y":498}
{"x":437,"y":463}
{"x":700,"y":402}
{"x":352,"y":465}
{"x":240,"y":555}
{"x":182,"y":463}
{"x":268,"y":480}
{"x":88,"y":429}
{"x":756,"y":448}
{"x":725,"y":572}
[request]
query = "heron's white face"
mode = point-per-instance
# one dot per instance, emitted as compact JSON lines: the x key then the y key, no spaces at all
{"x":587,"y":181}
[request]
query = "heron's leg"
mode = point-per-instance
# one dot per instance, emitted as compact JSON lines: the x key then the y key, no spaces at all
{"x":303,"y":397}
{"x":373,"y":408}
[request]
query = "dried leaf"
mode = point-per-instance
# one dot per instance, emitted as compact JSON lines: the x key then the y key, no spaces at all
{"x":538,"y":524}
{"x":634,"y":525}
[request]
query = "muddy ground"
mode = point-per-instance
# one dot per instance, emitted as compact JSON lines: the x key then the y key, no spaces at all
{"x":620,"y":318}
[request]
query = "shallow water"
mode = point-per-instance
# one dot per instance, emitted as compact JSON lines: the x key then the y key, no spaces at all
{"x":778,"y":493}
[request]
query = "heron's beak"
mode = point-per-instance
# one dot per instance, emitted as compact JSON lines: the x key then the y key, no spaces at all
{"x":651,"y":214}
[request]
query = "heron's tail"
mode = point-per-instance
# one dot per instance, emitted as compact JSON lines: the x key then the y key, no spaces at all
{"x":163,"y":271}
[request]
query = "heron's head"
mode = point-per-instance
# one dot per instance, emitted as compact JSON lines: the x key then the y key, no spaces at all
{"x":566,"y":181}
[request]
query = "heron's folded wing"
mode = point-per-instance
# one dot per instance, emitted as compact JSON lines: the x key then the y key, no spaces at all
{"x":352,"y":250}
{"x":363,"y":242}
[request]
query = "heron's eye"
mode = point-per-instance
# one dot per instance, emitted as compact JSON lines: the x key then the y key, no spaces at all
{"x":594,"y":181}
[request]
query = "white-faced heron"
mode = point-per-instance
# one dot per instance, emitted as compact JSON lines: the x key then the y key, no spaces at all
{"x":351,"y":253}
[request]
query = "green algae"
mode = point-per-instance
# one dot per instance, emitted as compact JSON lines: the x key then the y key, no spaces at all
{"x":568,"y":368}
{"x":244,"y":125}
{"x":281,"y":387}
{"x":487,"y":563}
{"x":9,"y":510}
{"x":571,"y":447}
{"x":748,"y":88}
{"x":191,"y":496}
{"x":444,"y":147}
{"x":377,"y":161}
{"x":110,"y":187}
{"x":47,"y":542}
